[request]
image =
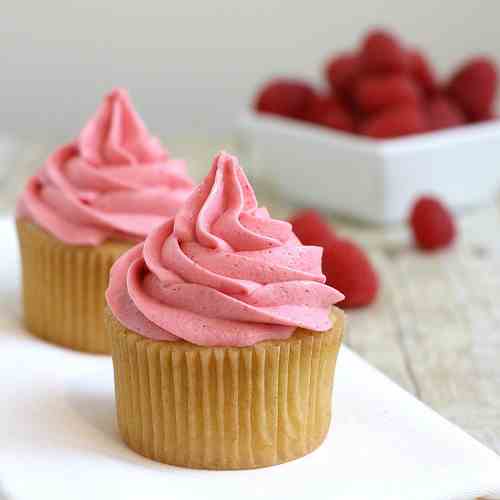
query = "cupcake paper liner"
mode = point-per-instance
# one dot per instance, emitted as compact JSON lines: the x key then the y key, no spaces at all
{"x":224,"y":407}
{"x":63,"y":288}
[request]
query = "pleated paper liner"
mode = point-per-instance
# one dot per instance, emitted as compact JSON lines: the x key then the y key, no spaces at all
{"x":224,"y":408}
{"x":63,"y":288}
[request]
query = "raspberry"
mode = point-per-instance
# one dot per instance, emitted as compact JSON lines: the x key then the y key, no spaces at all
{"x":380,"y":92}
{"x":395,"y":122}
{"x":348,"y":269}
{"x":382,"y":52}
{"x":491,"y":115}
{"x":444,"y":113}
{"x":329,"y":111}
{"x":474,"y":87}
{"x":342,"y":70}
{"x":432,"y":224}
{"x":284,"y":97}
{"x":311,"y":228}
{"x":422,"y":72}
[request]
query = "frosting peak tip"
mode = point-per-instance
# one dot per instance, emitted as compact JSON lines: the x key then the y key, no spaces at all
{"x":118,"y":93}
{"x":116,"y":134}
{"x":223,"y":159}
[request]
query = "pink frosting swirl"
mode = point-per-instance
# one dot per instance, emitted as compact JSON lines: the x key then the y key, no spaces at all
{"x":114,"y":181}
{"x":221,"y":272}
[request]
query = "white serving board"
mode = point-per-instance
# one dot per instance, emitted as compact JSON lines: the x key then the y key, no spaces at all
{"x":58,"y":437}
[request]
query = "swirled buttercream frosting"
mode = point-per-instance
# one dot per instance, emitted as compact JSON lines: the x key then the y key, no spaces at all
{"x":114,"y":181}
{"x":222,"y":272}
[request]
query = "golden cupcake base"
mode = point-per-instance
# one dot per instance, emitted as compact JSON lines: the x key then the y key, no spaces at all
{"x":224,"y":407}
{"x":63,"y":288}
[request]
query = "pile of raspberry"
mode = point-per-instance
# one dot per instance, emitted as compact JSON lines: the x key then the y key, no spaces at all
{"x":385,"y":90}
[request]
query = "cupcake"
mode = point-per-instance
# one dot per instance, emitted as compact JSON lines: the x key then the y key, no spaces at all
{"x":224,"y":337}
{"x":92,"y":200}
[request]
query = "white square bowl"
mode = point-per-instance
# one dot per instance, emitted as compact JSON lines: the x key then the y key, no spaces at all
{"x":372,"y":180}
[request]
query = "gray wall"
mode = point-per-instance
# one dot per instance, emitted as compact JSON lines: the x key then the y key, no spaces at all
{"x":191,"y":65}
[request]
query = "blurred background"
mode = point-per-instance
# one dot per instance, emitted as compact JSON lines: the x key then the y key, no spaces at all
{"x":191,"y":66}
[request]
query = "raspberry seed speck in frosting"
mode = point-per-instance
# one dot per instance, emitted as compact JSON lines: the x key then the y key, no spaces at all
{"x":114,"y":181}
{"x":221,"y":272}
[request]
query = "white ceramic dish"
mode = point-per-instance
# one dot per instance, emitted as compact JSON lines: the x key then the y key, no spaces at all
{"x":375,"y":181}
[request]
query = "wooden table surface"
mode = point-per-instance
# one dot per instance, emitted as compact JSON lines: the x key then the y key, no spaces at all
{"x":435,"y":328}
